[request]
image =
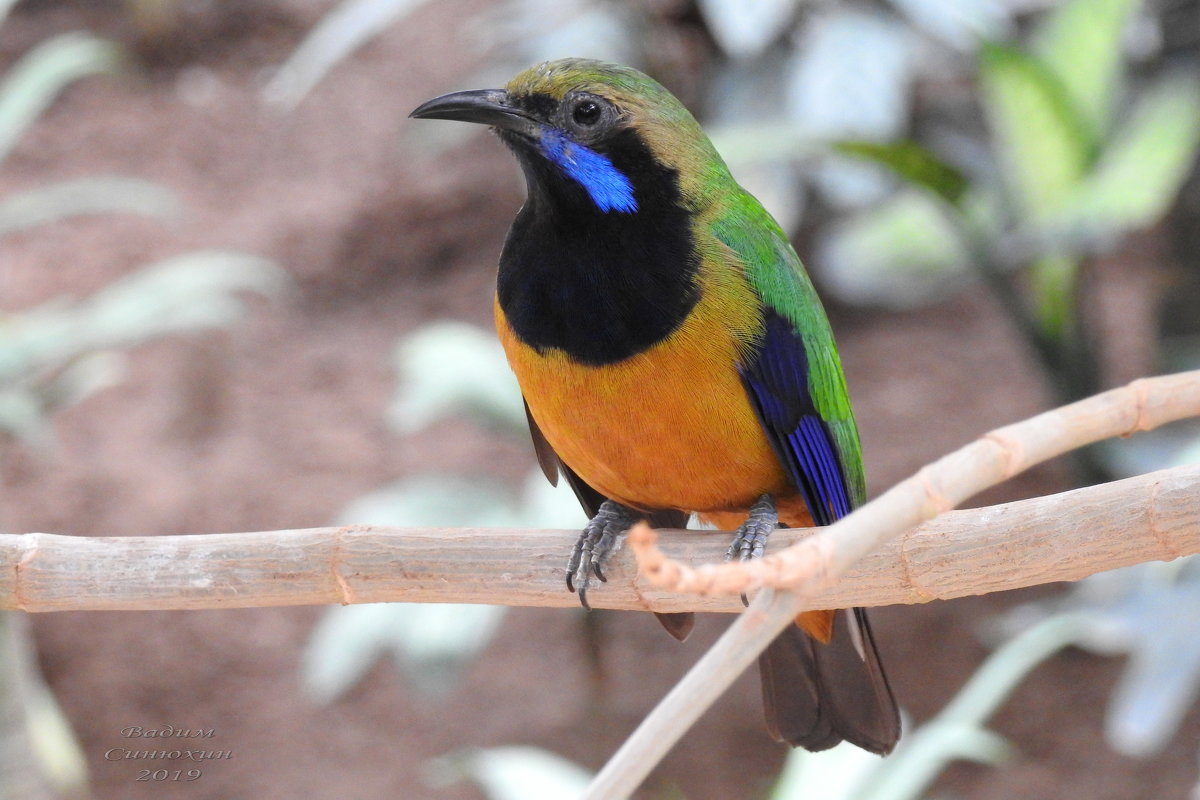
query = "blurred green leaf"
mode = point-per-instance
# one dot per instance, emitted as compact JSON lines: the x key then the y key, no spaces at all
{"x":901,"y":253}
{"x":915,"y":164}
{"x":40,"y":74}
{"x":1080,"y":43}
{"x":1053,"y":280}
{"x":184,"y":293}
{"x":339,"y":33}
{"x":1041,"y":142}
{"x":513,"y":773}
{"x":932,"y":748}
{"x":21,"y":414}
{"x":448,"y":368}
{"x":960,"y":24}
{"x":26,"y":406}
{"x":5,"y":7}
{"x":62,"y":758}
{"x":957,"y":731}
{"x":1161,"y":679}
{"x":434,"y":643}
{"x":1149,"y":612}
{"x":1008,"y":666}
{"x":1141,"y":171}
{"x":850,"y":77}
{"x":835,"y":774}
{"x":767,"y":141}
{"x":743,"y":30}
{"x":85,"y":196}
{"x":434,"y":500}
{"x":467,"y":501}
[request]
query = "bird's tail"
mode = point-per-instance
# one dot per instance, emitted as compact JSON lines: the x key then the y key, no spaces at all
{"x":821,"y":689}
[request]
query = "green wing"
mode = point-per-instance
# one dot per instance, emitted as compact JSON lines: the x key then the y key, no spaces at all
{"x":795,"y":373}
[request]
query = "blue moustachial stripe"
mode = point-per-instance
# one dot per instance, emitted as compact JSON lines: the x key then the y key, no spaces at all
{"x":608,"y":187}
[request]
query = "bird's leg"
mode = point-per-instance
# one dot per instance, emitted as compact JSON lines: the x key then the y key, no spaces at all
{"x":596,"y":543}
{"x":751,"y":537}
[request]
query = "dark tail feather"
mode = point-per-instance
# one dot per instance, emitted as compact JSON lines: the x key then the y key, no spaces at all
{"x":678,"y":624}
{"x":816,"y":695}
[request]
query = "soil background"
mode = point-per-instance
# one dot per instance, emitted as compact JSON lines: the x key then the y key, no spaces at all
{"x":278,"y":423}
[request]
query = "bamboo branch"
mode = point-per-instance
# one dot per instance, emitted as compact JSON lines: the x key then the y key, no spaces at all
{"x":816,"y":563}
{"x":1055,"y":538}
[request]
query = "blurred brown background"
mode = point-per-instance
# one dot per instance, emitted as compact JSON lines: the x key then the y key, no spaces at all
{"x":278,"y":422}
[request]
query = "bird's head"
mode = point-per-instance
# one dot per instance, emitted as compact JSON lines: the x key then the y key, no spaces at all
{"x":594,"y":136}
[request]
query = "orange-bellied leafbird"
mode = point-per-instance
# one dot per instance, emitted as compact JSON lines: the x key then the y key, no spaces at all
{"x":675,"y":359}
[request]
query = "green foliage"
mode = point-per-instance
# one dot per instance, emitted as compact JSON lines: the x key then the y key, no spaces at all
{"x":342,"y":31}
{"x":56,"y":354}
{"x":454,"y":369}
{"x":955,"y":733}
{"x":32,"y":83}
{"x":1150,"y":613}
{"x":1040,"y":141}
{"x":85,"y":196}
{"x":914,"y":164}
{"x":511,"y":773}
{"x":1079,"y":43}
{"x":1068,"y":177}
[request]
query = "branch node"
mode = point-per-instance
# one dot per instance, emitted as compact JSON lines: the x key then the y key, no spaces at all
{"x":935,"y":502}
{"x":1141,"y":389}
{"x":30,"y":544}
{"x":346,"y":594}
{"x":906,"y":569}
{"x":1012,"y":451}
{"x":1164,"y":541}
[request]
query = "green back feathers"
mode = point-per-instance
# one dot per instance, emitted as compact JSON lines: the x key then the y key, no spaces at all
{"x":777,"y":275}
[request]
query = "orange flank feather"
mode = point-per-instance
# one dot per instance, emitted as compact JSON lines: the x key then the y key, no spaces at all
{"x":817,"y":624}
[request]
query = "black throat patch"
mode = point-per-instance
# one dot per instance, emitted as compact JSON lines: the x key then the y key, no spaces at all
{"x":601,"y":286}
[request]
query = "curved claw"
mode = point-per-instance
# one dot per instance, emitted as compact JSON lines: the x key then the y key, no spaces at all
{"x":750,"y":539}
{"x":595,"y":544}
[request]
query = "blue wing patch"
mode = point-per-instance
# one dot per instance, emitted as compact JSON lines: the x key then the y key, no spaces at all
{"x":776,"y":379}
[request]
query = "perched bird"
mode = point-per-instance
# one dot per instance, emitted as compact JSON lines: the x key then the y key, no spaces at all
{"x":675,"y":359}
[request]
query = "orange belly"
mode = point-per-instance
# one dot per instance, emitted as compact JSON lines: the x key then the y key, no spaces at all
{"x":671,"y":427}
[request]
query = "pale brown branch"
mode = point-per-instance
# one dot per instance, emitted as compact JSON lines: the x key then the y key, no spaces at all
{"x":1055,"y":538}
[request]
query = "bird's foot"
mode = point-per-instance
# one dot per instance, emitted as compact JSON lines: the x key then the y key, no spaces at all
{"x":751,"y":537}
{"x":595,"y":544}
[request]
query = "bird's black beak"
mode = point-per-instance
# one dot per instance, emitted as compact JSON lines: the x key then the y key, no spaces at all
{"x":485,"y":106}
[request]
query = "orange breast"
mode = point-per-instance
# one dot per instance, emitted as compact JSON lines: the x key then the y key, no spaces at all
{"x":671,"y":427}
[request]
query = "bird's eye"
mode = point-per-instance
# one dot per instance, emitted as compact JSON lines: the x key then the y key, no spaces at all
{"x":586,"y":113}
